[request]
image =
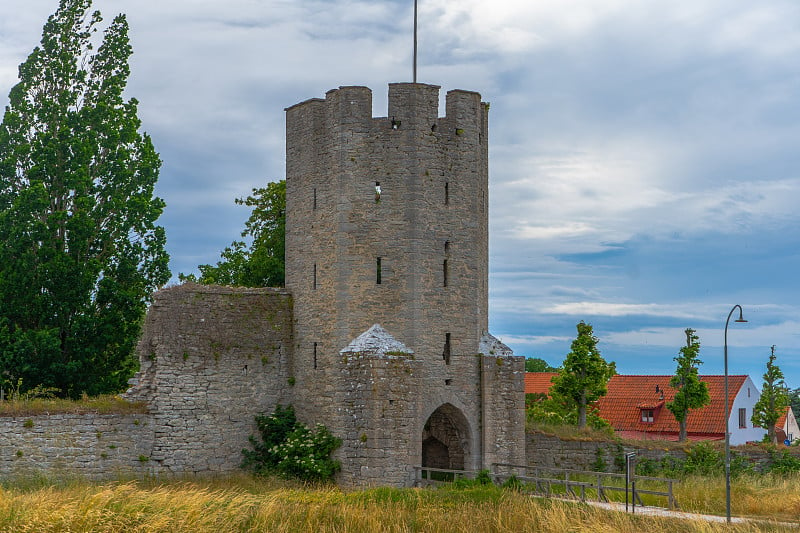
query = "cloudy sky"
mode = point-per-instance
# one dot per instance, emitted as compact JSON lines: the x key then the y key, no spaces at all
{"x":644,"y":156}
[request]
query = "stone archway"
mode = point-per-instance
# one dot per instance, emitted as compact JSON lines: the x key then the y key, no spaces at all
{"x":445,"y":439}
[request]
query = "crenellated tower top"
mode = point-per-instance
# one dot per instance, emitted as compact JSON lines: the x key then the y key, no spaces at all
{"x":387,"y":220}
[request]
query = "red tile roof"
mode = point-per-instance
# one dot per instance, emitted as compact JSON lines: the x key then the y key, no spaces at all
{"x":538,"y":382}
{"x":621,"y":406}
{"x":628,"y":395}
{"x":781,"y":422}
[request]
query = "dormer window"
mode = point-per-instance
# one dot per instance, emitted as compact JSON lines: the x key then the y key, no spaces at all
{"x":647,"y":416}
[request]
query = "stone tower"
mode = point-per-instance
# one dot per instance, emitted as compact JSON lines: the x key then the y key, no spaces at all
{"x":387,"y":263}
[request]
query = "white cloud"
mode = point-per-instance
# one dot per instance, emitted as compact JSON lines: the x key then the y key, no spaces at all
{"x":784,"y":335}
{"x":534,"y":340}
{"x":616,"y":127}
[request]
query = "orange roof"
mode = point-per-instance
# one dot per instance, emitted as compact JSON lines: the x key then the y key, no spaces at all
{"x":538,"y":382}
{"x":628,"y":395}
{"x":781,"y":422}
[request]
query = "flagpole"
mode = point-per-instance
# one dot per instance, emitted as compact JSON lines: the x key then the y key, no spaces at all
{"x":415,"y":41}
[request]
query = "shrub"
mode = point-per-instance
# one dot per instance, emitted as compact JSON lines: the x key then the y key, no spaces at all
{"x":703,"y":459}
{"x":599,"y":463}
{"x":290,"y":449}
{"x":783,"y":463}
{"x":483,"y":478}
{"x":540,"y":409}
{"x":513,"y":483}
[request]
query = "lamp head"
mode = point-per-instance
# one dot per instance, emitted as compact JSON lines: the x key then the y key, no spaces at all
{"x":741,"y":318}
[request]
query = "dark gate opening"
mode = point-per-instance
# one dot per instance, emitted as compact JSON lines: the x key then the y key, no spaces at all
{"x":445,"y":441}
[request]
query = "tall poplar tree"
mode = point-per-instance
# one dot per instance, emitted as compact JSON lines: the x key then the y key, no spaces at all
{"x":583,"y":377}
{"x":691,"y":392}
{"x":774,"y":399}
{"x":81,"y":251}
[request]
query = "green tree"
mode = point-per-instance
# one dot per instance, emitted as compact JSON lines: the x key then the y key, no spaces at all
{"x":536,"y":364}
{"x":584,"y":375}
{"x":691,"y":392}
{"x":262,"y":263}
{"x":794,"y":401}
{"x":81,"y":251}
{"x":774,"y":399}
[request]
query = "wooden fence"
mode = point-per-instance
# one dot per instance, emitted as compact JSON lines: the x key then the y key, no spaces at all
{"x":558,"y":482}
{"x":575,"y":483}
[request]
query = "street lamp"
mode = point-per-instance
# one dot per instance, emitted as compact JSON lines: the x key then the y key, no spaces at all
{"x":727,"y":416}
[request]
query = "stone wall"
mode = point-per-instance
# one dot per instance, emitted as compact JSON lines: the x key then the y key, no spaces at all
{"x":211,"y":359}
{"x":88,"y":445}
{"x":430,"y":217}
{"x":551,"y":452}
{"x":503,"y":409}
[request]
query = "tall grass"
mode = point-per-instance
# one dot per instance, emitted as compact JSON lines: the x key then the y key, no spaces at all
{"x":756,"y":495}
{"x":246,"y":504}
{"x":105,"y":404}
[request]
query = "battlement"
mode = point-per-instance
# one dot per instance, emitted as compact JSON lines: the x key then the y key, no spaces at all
{"x":411,"y":106}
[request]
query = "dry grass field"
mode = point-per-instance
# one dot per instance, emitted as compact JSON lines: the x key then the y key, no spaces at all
{"x":244,"y":503}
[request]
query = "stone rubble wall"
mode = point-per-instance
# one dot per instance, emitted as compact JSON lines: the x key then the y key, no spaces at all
{"x":503,"y":409}
{"x":90,"y":445}
{"x":548,"y":451}
{"x":212,"y":358}
{"x":376,"y":418}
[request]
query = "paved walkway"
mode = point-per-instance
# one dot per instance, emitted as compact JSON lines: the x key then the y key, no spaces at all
{"x":660,"y":511}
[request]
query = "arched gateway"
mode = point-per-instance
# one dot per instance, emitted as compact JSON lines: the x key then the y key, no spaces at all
{"x":445,"y":439}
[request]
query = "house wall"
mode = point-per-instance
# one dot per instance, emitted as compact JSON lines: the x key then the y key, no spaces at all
{"x":791,"y":428}
{"x":746,"y":399}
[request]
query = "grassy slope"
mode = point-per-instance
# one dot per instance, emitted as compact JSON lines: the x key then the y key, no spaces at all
{"x":247,"y":504}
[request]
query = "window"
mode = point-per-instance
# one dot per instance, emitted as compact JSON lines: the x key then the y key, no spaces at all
{"x":742,"y":417}
{"x":315,"y":356}
{"x":446,"y":193}
{"x":377,"y":192}
{"x":446,"y":351}
{"x":315,"y":198}
{"x":445,"y":270}
{"x":314,"y":282}
{"x":378,"y":271}
{"x":647,"y":416}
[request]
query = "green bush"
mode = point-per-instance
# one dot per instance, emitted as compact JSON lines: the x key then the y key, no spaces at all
{"x":599,"y":464}
{"x":513,"y":483}
{"x":290,"y":449}
{"x":704,"y":460}
{"x":783,"y":463}
{"x":483,"y":478}
{"x":701,"y":459}
{"x":540,"y":409}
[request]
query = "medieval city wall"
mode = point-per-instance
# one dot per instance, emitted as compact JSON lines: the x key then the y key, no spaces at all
{"x":211,"y":359}
{"x":90,"y":445}
{"x":386,"y":223}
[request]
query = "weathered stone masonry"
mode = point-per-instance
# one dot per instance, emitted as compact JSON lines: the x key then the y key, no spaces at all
{"x":382,"y":331}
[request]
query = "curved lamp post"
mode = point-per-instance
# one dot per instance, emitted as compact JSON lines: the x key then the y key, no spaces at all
{"x":727,"y":416}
